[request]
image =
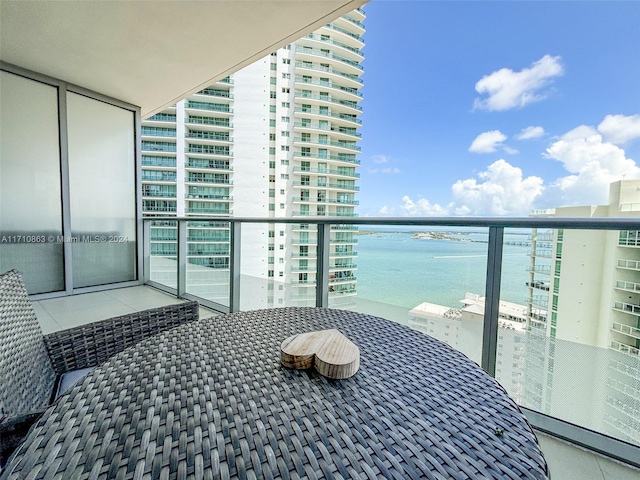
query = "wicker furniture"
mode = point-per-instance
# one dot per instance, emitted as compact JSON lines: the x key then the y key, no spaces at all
{"x":31,"y":364}
{"x":211,"y":400}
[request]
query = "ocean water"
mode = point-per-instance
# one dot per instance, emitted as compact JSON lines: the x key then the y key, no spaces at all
{"x":396,"y":269}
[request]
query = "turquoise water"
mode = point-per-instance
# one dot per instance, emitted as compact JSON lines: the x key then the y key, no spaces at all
{"x":393,"y":268}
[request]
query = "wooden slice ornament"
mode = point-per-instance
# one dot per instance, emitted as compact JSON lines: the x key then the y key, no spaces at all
{"x":331,"y":353}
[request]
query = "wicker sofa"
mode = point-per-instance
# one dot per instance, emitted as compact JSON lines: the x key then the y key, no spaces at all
{"x":36,"y":368}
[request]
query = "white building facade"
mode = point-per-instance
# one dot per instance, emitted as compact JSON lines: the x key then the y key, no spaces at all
{"x":277,"y":139}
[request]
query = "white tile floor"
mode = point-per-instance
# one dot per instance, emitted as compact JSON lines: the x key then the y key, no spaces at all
{"x":566,"y":461}
{"x":66,"y":312}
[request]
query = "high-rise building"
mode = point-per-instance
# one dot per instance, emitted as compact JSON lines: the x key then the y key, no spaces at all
{"x":583,"y":310}
{"x":279,"y":138}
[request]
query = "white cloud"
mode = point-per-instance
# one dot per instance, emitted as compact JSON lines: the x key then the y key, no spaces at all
{"x":620,"y":129}
{"x":380,"y":159}
{"x":422,"y":208}
{"x":529,"y":133}
{"x":500,"y":190}
{"x":506,"y":89}
{"x":487,"y":142}
{"x":384,"y":171}
{"x":592,"y":163}
{"x":509,"y":150}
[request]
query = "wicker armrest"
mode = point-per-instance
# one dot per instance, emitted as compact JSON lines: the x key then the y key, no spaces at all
{"x":92,"y":344}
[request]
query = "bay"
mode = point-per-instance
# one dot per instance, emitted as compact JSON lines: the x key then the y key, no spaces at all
{"x":396,"y":269}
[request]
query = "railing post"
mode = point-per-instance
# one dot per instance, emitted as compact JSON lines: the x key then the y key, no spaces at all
{"x":492,"y":302}
{"x":181,"y":286}
{"x":322,"y":274}
{"x":234,"y":267}
{"x":146,"y":250}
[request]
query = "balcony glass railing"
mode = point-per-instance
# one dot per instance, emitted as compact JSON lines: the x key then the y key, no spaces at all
{"x":332,"y":56}
{"x":215,"y":107}
{"x":219,"y":122}
{"x":327,"y":98}
{"x":321,"y":38}
{"x":345,"y":31}
{"x":340,"y":158}
{"x":213,"y":92}
{"x":322,"y":141}
{"x":330,"y":171}
{"x":468,"y":282}
{"x":320,"y":126}
{"x":326,"y":113}
{"x":333,"y":71}
{"x":327,"y":185}
{"x":324,"y":83}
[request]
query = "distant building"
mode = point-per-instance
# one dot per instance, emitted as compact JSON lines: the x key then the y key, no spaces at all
{"x":583,"y":312}
{"x":278,"y":138}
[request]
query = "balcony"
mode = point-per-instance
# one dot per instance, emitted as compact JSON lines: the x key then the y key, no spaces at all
{"x":317,"y":156}
{"x":322,"y":142}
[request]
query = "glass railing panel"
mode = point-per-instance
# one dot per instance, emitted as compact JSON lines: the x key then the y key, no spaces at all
{"x":429,"y":278}
{"x":163,"y":261}
{"x":208,"y":261}
{"x":576,"y":356}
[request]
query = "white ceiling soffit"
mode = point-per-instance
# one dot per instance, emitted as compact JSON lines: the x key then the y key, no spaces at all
{"x":153,"y":53}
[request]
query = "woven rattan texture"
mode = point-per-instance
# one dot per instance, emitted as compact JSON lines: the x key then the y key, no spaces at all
{"x":211,"y":400}
{"x":94,"y":343}
{"x":26,"y":376}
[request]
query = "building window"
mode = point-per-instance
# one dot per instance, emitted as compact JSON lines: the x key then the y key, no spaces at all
{"x":282,"y":233}
{"x":284,"y":148}
{"x":286,"y":61}
{"x":284,"y":119}
{"x":282,"y":206}
{"x":281,"y":260}
{"x":272,"y":80}
{"x":281,"y":246}
{"x":272,"y":122}
{"x":272,"y":137}
{"x":272,"y":178}
{"x":284,"y":162}
{"x":272,"y":164}
{"x":284,"y":133}
{"x":284,"y":176}
{"x":272,"y":233}
{"x":282,"y":191}
{"x":272,"y":108}
{"x":271,"y":260}
{"x":285,"y":89}
{"x":286,"y":76}
{"x":273,"y":66}
{"x":270,"y":273}
{"x":272,"y":94}
{"x":286,"y":104}
{"x":281,"y":274}
{"x":272,"y":207}
{"x":272,"y":150}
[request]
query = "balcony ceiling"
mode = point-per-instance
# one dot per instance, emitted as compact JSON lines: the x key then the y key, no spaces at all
{"x":153,"y":53}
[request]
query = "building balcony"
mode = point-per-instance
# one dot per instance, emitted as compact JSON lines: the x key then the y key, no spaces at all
{"x":628,"y":286}
{"x":626,"y":330}
{"x":338,"y":118}
{"x":348,"y":134}
{"x":321,"y":143}
{"x":214,"y":123}
{"x":333,"y":74}
{"x":623,"y":347}
{"x":326,"y":172}
{"x":320,"y":41}
{"x":161,"y":117}
{"x":206,"y":164}
{"x":337,"y":104}
{"x":210,"y":137}
{"x":345,"y":93}
{"x":326,"y":186}
{"x":215,"y":92}
{"x":211,"y":107}
{"x":349,"y":66}
{"x":629,"y":308}
{"x":325,"y":200}
{"x":352,"y":38}
{"x":148,"y":131}
{"x":334,"y":158}
{"x":629,"y":264}
{"x":541,"y":269}
{"x":156,"y":161}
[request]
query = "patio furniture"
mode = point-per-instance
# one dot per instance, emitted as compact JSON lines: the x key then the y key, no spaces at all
{"x":36,"y":368}
{"x":211,"y":400}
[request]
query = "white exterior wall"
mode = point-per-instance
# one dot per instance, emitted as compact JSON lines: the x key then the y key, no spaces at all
{"x":251,"y":167}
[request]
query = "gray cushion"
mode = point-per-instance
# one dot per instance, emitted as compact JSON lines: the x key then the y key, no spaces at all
{"x":69,"y":379}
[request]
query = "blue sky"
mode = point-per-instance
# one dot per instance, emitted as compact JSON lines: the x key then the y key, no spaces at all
{"x":497,"y":107}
